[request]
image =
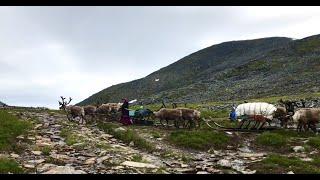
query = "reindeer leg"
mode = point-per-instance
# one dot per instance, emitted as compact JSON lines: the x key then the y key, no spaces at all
{"x":191,"y":124}
{"x":299,"y":127}
{"x":177,"y":123}
{"x":305,"y":127}
{"x":83,"y":119}
{"x":313,"y":127}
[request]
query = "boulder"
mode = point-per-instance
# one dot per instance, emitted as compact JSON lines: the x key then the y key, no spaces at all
{"x":13,"y":155}
{"x":45,"y":167}
{"x":36,"y":152}
{"x":249,"y":155}
{"x":90,"y":161}
{"x":64,"y":170}
{"x":29,"y":166}
{"x":138,"y":164}
{"x":38,"y":161}
{"x":298,"y":148}
{"x":202,"y":172}
{"x":224,"y":163}
{"x":101,"y":159}
{"x":119,"y":129}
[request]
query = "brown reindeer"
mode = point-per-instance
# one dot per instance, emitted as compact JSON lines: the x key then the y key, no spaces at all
{"x":307,"y":118}
{"x":90,"y":110}
{"x":191,"y":116}
{"x":73,"y":111}
{"x":282,"y":114}
{"x":169,"y":114}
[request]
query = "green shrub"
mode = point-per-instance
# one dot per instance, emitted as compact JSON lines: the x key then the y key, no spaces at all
{"x":314,"y":142}
{"x":282,"y":164}
{"x":215,"y":114}
{"x":9,"y":166}
{"x":11,"y":127}
{"x":70,"y":138}
{"x":200,"y":140}
{"x":46,"y":150}
{"x":271,"y":139}
{"x":137,"y":158}
{"x":126,"y":136}
{"x":155,"y":134}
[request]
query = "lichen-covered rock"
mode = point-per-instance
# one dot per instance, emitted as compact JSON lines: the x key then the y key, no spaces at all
{"x":138,"y":164}
{"x":64,"y":170}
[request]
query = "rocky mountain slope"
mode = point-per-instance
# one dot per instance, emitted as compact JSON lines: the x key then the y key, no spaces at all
{"x":2,"y":104}
{"x":231,"y":70}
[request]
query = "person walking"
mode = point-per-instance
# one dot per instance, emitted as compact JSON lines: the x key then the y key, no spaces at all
{"x":125,"y":118}
{"x":233,"y":116}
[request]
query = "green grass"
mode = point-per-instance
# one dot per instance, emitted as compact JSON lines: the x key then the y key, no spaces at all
{"x":275,"y":99}
{"x":70,"y":138}
{"x":52,"y":160}
{"x":200,"y":140}
{"x":155,"y":134}
{"x":221,"y":121}
{"x":11,"y":127}
{"x":271,"y":139}
{"x":314,"y":142}
{"x":38,"y":110}
{"x":9,"y":166}
{"x":269,"y":99}
{"x":46,"y":150}
{"x":307,"y":46}
{"x":215,"y":114}
{"x":291,"y":133}
{"x":276,"y":164}
{"x":103,"y":146}
{"x":127,"y":136}
{"x":137,"y":158}
{"x":186,"y":159}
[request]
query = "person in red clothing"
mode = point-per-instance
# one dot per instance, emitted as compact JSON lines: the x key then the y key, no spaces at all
{"x":125,"y":118}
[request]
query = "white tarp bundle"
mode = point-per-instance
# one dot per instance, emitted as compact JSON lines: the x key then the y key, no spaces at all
{"x":132,"y":101}
{"x":256,"y":108}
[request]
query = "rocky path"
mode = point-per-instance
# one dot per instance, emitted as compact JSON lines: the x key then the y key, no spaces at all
{"x":89,"y":150}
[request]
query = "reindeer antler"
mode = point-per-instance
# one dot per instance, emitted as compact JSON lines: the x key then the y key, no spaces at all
{"x":70,"y":99}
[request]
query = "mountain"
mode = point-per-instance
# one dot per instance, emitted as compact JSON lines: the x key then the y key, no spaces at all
{"x":2,"y":104}
{"x":226,"y":71}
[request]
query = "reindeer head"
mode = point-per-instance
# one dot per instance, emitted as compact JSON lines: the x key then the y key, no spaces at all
{"x":63,"y":104}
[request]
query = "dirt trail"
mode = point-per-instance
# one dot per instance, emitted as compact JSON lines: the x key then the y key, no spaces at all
{"x":90,"y":150}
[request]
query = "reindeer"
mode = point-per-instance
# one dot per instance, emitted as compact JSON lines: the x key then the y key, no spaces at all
{"x":73,"y":111}
{"x":63,"y":104}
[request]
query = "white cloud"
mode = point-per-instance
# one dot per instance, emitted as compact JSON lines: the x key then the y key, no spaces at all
{"x":46,"y":52}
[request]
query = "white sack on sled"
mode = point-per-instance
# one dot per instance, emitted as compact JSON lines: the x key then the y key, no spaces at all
{"x":256,"y":108}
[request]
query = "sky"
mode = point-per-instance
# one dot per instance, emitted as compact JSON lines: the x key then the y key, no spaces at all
{"x":46,"y":52}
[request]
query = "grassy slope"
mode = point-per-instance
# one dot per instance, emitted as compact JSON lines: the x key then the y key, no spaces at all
{"x":10,"y":128}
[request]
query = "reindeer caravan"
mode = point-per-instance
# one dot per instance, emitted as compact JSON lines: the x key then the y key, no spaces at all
{"x":251,"y":116}
{"x":89,"y":112}
{"x":179,"y":117}
{"x":254,"y":116}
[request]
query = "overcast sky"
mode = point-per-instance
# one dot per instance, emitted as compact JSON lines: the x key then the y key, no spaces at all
{"x":46,"y":52}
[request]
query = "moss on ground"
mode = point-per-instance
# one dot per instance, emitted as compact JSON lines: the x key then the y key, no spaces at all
{"x":198,"y":139}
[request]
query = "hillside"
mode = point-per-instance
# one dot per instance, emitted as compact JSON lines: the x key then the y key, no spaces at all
{"x":2,"y":104}
{"x":230,"y":70}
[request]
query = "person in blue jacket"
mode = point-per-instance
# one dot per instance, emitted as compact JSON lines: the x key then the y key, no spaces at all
{"x":233,"y":115}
